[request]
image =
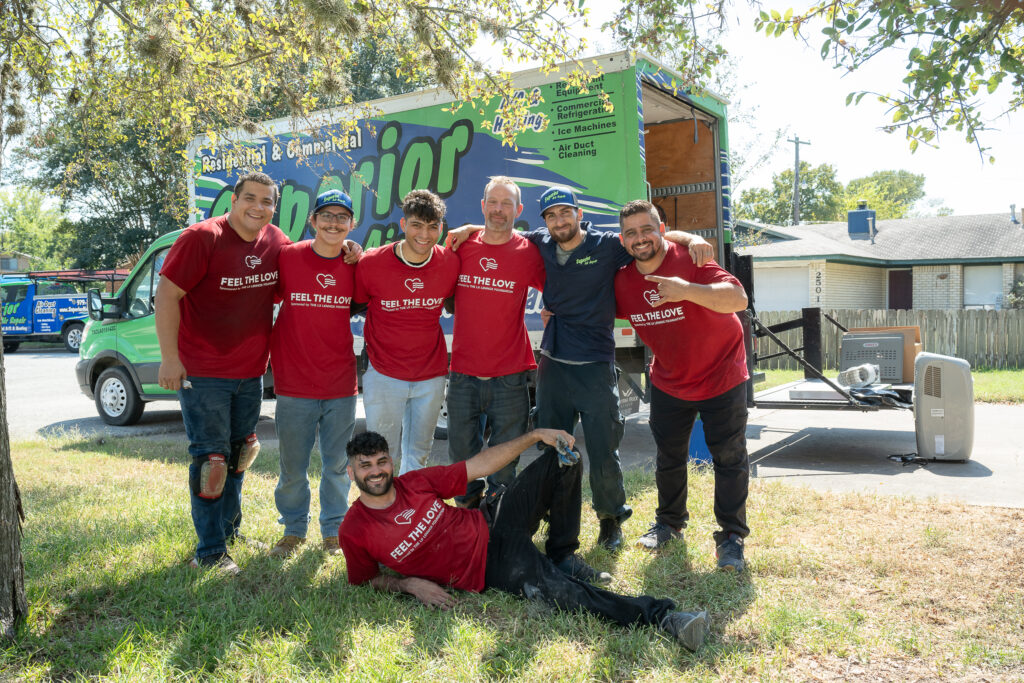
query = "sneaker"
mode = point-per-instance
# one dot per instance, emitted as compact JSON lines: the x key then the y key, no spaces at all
{"x":610,"y":537}
{"x":221,"y":561}
{"x":253,"y":543}
{"x":576,"y":567}
{"x":286,"y":546}
{"x":730,"y":554}
{"x":689,"y":628}
{"x":658,"y":535}
{"x":330,"y":545}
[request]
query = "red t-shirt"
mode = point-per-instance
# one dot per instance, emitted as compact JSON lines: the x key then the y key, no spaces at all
{"x":227,"y":311}
{"x":490,"y":337}
{"x":311,"y":346}
{"x":403,"y":320}
{"x":419,"y":534}
{"x":698,"y":353}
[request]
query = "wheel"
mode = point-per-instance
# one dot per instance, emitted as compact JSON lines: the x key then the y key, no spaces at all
{"x":72,"y":337}
{"x":11,"y":347}
{"x":117,"y":401}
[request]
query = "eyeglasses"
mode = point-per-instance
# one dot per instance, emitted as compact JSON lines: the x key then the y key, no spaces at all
{"x":328,"y":218}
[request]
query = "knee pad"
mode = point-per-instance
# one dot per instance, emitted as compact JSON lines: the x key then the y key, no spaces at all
{"x":209,"y":477}
{"x":243,"y":454}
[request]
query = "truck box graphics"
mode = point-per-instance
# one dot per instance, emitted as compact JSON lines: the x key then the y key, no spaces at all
{"x":655,"y":141}
{"x":572,"y":139}
{"x":39,"y":310}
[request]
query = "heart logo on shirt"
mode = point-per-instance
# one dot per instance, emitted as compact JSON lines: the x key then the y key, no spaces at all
{"x":405,"y":516}
{"x":325,"y":279}
{"x":413,"y":283}
{"x":253,"y":261}
{"x":488,"y":264}
{"x":652,"y":297}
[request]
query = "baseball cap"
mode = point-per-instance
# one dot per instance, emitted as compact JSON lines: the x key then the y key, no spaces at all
{"x":557,"y":196}
{"x":333,"y":198}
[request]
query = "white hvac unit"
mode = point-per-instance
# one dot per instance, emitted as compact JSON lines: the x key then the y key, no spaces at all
{"x":943,"y":407}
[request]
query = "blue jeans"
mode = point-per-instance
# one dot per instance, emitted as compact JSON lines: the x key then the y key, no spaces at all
{"x":219,"y":414}
{"x":298,"y":421}
{"x":503,"y":403}
{"x":404,"y":413}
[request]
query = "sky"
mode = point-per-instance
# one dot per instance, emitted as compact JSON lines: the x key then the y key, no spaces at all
{"x":789,"y":87}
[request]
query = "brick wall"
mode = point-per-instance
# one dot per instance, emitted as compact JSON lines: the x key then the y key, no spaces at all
{"x":854,"y":286}
{"x":937,"y":287}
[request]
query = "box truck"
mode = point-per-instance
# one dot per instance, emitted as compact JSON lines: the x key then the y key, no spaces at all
{"x":656,"y":140}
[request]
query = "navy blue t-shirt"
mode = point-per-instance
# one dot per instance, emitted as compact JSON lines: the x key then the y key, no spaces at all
{"x":581,"y":294}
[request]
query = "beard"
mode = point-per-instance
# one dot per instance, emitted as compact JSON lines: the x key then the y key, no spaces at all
{"x":375,"y":489}
{"x":562,"y":238}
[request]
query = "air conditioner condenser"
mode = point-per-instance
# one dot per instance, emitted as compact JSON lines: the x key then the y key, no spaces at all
{"x":943,"y":407}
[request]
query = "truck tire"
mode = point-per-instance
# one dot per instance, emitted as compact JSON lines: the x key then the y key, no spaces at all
{"x":11,"y":347}
{"x":117,"y":401}
{"x":72,"y":337}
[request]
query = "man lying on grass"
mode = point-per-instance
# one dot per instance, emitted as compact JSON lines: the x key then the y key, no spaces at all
{"x":403,"y":523}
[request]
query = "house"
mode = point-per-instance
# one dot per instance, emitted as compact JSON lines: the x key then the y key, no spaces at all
{"x":14,"y":262}
{"x":946,"y":262}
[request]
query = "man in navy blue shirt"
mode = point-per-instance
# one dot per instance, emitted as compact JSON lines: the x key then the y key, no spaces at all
{"x":576,"y":372}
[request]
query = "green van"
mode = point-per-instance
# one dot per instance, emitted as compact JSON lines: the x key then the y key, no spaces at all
{"x":120,"y":355}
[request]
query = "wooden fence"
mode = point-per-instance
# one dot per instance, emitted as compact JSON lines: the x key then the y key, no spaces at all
{"x":986,"y":339}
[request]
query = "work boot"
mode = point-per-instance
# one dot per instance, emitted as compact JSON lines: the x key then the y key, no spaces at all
{"x":286,"y":546}
{"x":689,"y":628}
{"x":658,"y":535}
{"x":610,"y":537}
{"x":576,"y":567}
{"x":330,"y":545}
{"x":730,"y":554}
{"x":220,"y":561}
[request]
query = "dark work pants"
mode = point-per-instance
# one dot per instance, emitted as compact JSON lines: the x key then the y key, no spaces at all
{"x":504,"y":402}
{"x":514,"y":565}
{"x":725,"y":430}
{"x":567,"y":394}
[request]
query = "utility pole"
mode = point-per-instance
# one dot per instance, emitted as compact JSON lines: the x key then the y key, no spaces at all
{"x":796,"y":178}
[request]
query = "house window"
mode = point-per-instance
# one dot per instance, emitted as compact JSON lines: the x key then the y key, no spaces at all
{"x":8,"y":263}
{"x":983,"y":287}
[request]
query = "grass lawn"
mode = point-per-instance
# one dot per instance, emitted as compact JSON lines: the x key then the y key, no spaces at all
{"x":839,"y":587}
{"x":990,"y":386}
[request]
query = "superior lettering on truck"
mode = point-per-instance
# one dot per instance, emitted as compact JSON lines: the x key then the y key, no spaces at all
{"x":649,"y":139}
{"x":634,"y":133}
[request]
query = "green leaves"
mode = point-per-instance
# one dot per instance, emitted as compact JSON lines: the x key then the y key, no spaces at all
{"x":955,"y":51}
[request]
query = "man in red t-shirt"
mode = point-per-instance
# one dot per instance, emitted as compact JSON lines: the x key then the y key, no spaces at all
{"x":491,"y":353}
{"x":314,"y":373}
{"x":214,"y":311}
{"x":404,"y":524}
{"x":405,"y":285}
{"x":687,"y":316}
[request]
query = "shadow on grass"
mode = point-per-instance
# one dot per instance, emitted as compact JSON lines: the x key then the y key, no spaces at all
{"x":168,"y":452}
{"x":133,"y":609}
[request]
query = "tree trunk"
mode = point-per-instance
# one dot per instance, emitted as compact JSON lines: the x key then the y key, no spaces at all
{"x":13,"y":605}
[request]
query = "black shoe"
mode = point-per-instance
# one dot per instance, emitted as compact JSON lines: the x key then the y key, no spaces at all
{"x":576,"y":567}
{"x":610,"y":537}
{"x":730,"y":554}
{"x":658,"y":535}
{"x":689,"y":628}
{"x":221,"y":561}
